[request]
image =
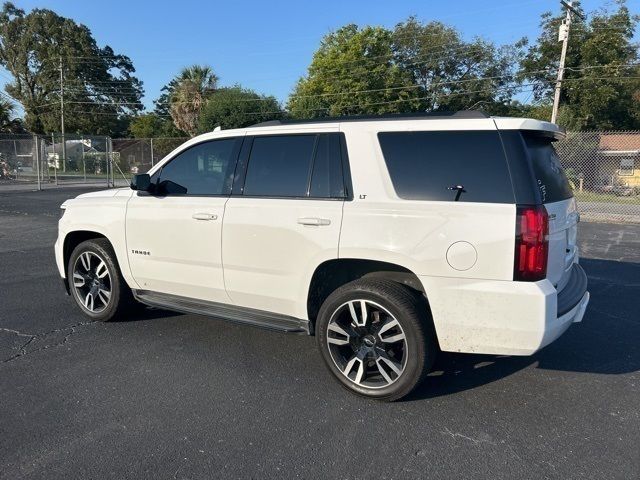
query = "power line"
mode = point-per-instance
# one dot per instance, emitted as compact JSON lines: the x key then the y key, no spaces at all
{"x":506,"y":87}
{"x":435,"y":84}
{"x":513,"y":86}
{"x":520,"y":88}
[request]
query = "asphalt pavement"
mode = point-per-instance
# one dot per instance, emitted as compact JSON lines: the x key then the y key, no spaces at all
{"x":165,"y":395}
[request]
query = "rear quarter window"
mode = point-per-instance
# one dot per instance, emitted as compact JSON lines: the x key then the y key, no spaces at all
{"x":549,"y":175}
{"x":426,"y":165}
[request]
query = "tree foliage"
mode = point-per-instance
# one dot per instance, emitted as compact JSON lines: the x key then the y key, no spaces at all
{"x":236,"y":107}
{"x":8,"y":122}
{"x":602,"y":85}
{"x":451,"y":74}
{"x":152,"y":125}
{"x":187,"y":94}
{"x":353,"y":72}
{"x":100,"y":90}
{"x":414,"y":67}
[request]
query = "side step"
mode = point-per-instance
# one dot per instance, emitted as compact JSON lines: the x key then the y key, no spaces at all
{"x":247,"y":316}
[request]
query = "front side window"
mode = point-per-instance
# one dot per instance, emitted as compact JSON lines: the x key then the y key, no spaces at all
{"x":204,"y":169}
{"x":466,"y":166}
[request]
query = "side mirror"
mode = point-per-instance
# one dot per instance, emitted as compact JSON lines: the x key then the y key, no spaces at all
{"x":141,"y":182}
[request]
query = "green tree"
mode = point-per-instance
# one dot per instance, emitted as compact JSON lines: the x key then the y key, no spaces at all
{"x":8,"y":123}
{"x":100,"y":90}
{"x":451,"y":74}
{"x":414,"y":67}
{"x":152,"y":125}
{"x":601,"y":88}
{"x":353,"y":72}
{"x":187,"y":94}
{"x":236,"y":107}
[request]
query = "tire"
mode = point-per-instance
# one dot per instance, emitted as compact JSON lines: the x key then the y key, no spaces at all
{"x":111,"y":297}
{"x":394,"y":345}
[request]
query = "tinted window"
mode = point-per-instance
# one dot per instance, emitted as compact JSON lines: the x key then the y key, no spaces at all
{"x":550,"y":176}
{"x":326,"y":179}
{"x":279,"y":166}
{"x":424,"y":165}
{"x":204,"y":169}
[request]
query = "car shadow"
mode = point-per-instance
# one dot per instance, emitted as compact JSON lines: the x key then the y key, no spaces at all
{"x":605,"y":342}
{"x":142,"y":313}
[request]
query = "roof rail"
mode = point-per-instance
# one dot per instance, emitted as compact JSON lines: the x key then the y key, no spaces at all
{"x":462,"y":114}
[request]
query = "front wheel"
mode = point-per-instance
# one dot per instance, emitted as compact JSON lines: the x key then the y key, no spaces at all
{"x":377,"y":338}
{"x":95,"y":281}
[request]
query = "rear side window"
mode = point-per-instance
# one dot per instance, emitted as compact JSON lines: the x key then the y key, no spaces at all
{"x":279,"y":166}
{"x":326,"y":179}
{"x":430,"y":165}
{"x":295,"y":166}
{"x":549,"y":174}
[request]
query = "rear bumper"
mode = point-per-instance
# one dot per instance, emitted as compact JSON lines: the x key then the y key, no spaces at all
{"x":503,"y":317}
{"x":561,"y":324}
{"x":573,"y":292}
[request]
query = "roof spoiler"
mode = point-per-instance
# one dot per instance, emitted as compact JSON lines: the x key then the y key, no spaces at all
{"x":552,"y":136}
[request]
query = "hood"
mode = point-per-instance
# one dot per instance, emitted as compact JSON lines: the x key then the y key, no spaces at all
{"x":112,"y":192}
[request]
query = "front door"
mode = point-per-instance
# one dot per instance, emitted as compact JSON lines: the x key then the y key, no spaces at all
{"x":174,"y":235}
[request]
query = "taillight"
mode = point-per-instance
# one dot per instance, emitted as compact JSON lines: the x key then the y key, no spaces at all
{"x":532,"y":243}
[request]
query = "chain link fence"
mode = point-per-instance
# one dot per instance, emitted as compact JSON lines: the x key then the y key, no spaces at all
{"x":603,"y":167}
{"x":18,"y":159}
{"x":41,"y":160}
{"x":138,"y":155}
{"x":604,"y":171}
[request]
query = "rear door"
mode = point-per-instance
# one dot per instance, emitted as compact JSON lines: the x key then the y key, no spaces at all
{"x":282,"y":220}
{"x":557,"y":197}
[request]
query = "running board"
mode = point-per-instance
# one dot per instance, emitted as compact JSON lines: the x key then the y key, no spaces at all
{"x":246,"y":316}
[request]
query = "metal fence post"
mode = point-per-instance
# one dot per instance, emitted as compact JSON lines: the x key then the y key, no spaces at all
{"x":107,"y":162}
{"x":84,"y":166}
{"x":15,"y":153}
{"x":55,"y":160}
{"x":151,"y":140}
{"x":36,"y":158}
{"x":113,"y":172}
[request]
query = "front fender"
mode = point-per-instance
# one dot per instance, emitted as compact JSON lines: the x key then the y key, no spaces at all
{"x":102,"y":216}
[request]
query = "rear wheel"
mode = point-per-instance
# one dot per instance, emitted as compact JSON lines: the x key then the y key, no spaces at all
{"x":95,"y":281}
{"x":377,"y":338}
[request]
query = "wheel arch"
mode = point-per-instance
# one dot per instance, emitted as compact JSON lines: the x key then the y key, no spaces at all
{"x":332,"y":274}
{"x":71,"y":241}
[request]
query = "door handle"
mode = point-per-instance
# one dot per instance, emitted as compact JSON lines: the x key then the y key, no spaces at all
{"x":204,"y":216}
{"x":314,"y":221}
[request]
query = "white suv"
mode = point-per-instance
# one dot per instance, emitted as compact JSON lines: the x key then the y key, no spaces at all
{"x":388,"y":238}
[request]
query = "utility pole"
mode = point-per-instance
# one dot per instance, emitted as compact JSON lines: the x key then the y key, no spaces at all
{"x":563,"y":35}
{"x":64,"y":142}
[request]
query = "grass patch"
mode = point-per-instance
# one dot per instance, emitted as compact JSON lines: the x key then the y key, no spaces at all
{"x":587,"y":196}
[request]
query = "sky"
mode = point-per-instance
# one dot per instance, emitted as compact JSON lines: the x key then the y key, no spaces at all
{"x":268,"y":45}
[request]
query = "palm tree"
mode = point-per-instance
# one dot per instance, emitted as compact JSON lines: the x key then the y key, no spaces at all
{"x":8,"y":124}
{"x":188,"y":95}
